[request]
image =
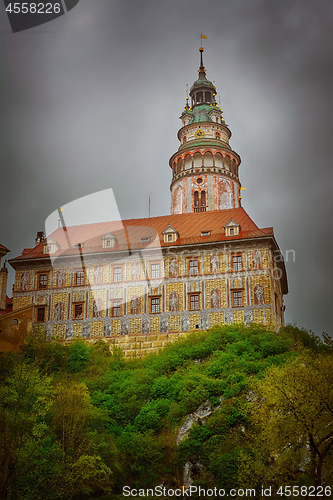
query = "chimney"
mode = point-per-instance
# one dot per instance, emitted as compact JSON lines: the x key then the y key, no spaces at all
{"x":3,"y":287}
{"x":39,"y":237}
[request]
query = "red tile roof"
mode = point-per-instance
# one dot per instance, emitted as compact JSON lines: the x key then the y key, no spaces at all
{"x":130,"y":232}
{"x":2,"y":247}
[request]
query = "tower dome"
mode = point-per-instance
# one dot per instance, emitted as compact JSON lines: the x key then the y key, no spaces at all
{"x":205,"y":168}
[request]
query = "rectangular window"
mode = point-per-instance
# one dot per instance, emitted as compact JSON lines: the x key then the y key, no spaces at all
{"x":155,"y":305}
{"x":194,"y":302}
{"x":116,"y":309}
{"x":78,"y":311}
{"x":155,"y":271}
{"x":236,"y":262}
{"x":117,"y":274}
{"x":42,"y":281}
{"x":194,"y":267}
{"x":237,"y":298}
{"x":41,"y":314}
{"x":170,"y":237}
{"x":79,"y":278}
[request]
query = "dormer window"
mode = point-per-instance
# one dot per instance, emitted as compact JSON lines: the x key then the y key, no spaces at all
{"x":205,"y":233}
{"x":145,"y":240}
{"x":108,"y":240}
{"x":50,"y":246}
{"x":170,"y":235}
{"x":232,"y":228}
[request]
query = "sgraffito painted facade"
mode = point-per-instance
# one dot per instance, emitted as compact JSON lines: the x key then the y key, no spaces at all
{"x":207,"y":263}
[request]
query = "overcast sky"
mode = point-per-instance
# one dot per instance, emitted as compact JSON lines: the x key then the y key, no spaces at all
{"x":92,"y":101}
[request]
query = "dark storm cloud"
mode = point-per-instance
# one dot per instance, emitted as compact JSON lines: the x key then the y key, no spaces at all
{"x":92,"y":100}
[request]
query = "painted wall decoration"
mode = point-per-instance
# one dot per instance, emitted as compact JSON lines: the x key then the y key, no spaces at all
{"x":61,"y":278}
{"x":98,"y":274}
{"x":257,"y":259}
{"x":145,"y":326}
{"x":215,"y":298}
{"x":215,"y":264}
{"x":225,"y":200}
{"x":25,"y":279}
{"x":173,"y":302}
{"x":173,"y":268}
{"x":135,"y":305}
{"x":97,"y":308}
{"x":258,"y":293}
{"x":58,"y":311}
{"x":136,"y":270}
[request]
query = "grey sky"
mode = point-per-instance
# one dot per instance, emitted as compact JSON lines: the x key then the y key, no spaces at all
{"x":92,"y":101}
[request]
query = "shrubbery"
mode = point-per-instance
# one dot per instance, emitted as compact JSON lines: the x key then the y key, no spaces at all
{"x":106,"y":421}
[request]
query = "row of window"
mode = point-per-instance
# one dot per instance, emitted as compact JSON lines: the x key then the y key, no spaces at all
{"x":79,"y":276}
{"x":155,"y":307}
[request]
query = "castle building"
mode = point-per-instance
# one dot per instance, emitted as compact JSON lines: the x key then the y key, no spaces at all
{"x":207,"y":263}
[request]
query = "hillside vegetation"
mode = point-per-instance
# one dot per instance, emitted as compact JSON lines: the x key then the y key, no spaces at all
{"x":81,"y":422}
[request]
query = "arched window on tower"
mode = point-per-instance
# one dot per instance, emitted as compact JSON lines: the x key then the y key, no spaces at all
{"x":184,"y":139}
{"x":196,"y":201}
{"x":203,"y":201}
{"x":199,"y":97}
{"x":217,"y":135}
{"x":208,"y":96}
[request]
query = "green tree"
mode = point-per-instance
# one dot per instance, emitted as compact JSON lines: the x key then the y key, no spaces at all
{"x":25,"y":401}
{"x":292,"y":413}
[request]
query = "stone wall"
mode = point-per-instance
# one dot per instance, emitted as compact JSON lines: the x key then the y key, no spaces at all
{"x":138,"y":345}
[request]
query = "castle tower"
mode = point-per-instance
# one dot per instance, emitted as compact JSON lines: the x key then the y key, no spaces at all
{"x":205,"y":168}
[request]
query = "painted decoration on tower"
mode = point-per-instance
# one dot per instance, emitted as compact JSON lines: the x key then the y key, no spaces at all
{"x":58,"y":311}
{"x":215,"y":264}
{"x":215,"y":298}
{"x":178,"y":198}
{"x":61,"y":278}
{"x":224,"y":194}
{"x":25,"y":279}
{"x":135,"y":305}
{"x":173,"y":302}
{"x":173,"y":268}
{"x":258,"y":293}
{"x":257,"y":259}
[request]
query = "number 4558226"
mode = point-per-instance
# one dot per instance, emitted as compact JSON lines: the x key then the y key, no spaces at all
{"x":305,"y":491}
{"x":33,"y":8}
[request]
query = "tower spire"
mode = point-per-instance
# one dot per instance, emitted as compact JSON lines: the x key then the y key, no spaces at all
{"x":202,"y":71}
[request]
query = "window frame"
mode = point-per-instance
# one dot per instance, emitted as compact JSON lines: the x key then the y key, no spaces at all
{"x":113,"y":307}
{"x":77,"y":278}
{"x":116,"y":274}
{"x":240,"y":290}
{"x":75,"y":305}
{"x":190,"y":301}
{"x":153,"y":271}
{"x":38,"y":310}
{"x":193,"y":259}
{"x":153,"y":306}
{"x":39,"y":275}
{"x":239,"y":263}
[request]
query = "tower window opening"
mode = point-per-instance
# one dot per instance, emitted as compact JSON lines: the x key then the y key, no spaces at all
{"x":199,"y":97}
{"x":217,"y":120}
{"x":184,"y":139}
{"x":196,"y":201}
{"x":217,"y":135}
{"x":203,"y":201}
{"x":208,"y":96}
